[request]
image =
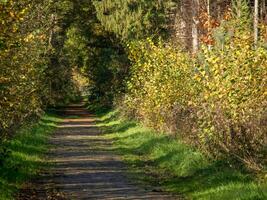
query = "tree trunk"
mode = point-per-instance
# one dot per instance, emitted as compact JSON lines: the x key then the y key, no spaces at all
{"x":195,"y":13}
{"x":51,"y":35}
{"x":209,"y":18}
{"x":256,"y":21}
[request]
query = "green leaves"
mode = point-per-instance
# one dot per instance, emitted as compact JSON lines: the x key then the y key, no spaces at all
{"x":216,"y":102}
{"x":28,"y":74}
{"x":160,"y":82}
{"x":131,"y":19}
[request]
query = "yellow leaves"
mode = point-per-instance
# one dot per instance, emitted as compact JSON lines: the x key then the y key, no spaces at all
{"x":12,"y":14}
{"x":224,"y":89}
{"x":4,"y":80}
{"x":197,"y":78}
{"x":232,"y":90}
{"x":203,"y":73}
{"x":21,"y":63}
{"x":160,"y":79}
{"x":23,"y":11}
{"x":29,"y":37}
{"x":43,"y":37}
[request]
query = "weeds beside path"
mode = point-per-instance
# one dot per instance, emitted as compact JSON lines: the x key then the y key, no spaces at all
{"x":85,"y":165}
{"x":22,"y":157}
{"x":167,"y":162}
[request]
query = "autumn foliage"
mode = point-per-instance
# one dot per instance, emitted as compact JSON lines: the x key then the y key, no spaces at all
{"x":29,"y":80}
{"x":216,"y":101}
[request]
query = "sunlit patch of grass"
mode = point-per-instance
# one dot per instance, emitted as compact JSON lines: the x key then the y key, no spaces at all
{"x":24,"y":155}
{"x":175,"y":166}
{"x":234,"y":190}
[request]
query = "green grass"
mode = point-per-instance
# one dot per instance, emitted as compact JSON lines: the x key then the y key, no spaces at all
{"x":23,"y":156}
{"x":176,"y":167}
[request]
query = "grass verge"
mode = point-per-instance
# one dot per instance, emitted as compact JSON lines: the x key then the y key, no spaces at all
{"x":23,"y":156}
{"x":176,"y":167}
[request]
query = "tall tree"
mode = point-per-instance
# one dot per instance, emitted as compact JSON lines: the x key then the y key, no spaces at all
{"x":256,"y":21}
{"x":195,"y":16}
{"x":209,"y":18}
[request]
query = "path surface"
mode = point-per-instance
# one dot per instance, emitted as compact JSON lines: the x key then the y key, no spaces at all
{"x":85,"y":166}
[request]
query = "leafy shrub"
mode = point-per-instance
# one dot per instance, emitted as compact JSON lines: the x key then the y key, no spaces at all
{"x":160,"y":85}
{"x":34,"y":73}
{"x":231,"y":107}
{"x":216,"y":101}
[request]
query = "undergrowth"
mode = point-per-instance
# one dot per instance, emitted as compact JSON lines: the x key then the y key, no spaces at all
{"x":176,"y":167}
{"x":22,"y":157}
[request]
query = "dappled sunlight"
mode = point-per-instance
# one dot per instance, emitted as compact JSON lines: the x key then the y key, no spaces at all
{"x":74,"y":126}
{"x":176,"y":166}
{"x":133,"y":99}
{"x":234,"y":191}
{"x":85,"y":164}
{"x":26,"y":156}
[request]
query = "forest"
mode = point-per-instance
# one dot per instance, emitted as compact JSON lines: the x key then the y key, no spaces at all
{"x":191,"y":71}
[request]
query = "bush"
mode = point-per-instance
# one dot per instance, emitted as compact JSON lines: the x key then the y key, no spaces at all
{"x":231,"y":107}
{"x":160,"y":85}
{"x":216,"y":101}
{"x":34,"y":73}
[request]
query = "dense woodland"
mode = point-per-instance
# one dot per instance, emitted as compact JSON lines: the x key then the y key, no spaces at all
{"x":195,"y":69}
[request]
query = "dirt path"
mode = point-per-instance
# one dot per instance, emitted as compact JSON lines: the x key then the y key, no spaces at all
{"x":85,"y":166}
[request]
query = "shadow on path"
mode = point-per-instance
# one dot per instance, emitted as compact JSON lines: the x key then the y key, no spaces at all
{"x":85,"y":167}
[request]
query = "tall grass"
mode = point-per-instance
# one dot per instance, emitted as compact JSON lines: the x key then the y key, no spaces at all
{"x":176,"y":167}
{"x":23,"y":156}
